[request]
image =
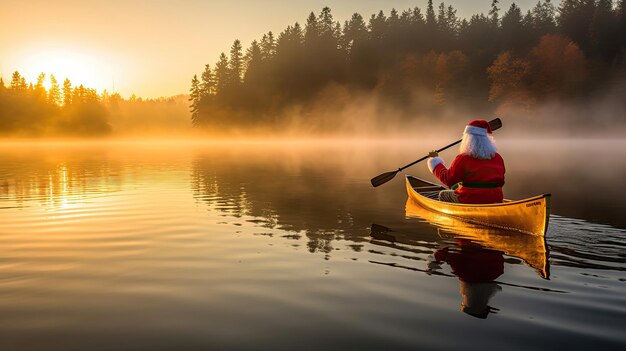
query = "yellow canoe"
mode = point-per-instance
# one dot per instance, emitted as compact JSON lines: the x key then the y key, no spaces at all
{"x":531,"y":249}
{"x":528,"y":216}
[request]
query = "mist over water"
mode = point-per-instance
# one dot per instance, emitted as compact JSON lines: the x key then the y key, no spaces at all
{"x":196,"y":245}
{"x":239,"y":214}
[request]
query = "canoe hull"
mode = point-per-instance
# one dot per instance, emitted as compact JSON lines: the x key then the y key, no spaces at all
{"x":531,"y":249}
{"x":528,"y":216}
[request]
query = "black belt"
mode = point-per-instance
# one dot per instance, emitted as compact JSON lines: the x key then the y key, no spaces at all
{"x":480,"y":185}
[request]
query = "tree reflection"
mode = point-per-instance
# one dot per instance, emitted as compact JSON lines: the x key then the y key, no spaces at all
{"x":305,"y":205}
{"x":56,"y":181}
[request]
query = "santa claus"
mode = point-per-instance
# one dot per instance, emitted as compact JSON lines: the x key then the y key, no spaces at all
{"x":476,"y":175}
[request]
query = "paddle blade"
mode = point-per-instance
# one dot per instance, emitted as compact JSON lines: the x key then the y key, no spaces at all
{"x":383,"y":178}
{"x":495,"y":124}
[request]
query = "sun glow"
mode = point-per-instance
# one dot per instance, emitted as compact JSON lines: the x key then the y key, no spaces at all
{"x":79,"y":68}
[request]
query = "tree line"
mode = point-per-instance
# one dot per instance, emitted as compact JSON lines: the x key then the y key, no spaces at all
{"x":418,"y":62}
{"x":48,"y":108}
{"x":31,"y":109}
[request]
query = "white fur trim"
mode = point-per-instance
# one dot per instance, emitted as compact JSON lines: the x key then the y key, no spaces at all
{"x":433,"y":162}
{"x":475,"y":130}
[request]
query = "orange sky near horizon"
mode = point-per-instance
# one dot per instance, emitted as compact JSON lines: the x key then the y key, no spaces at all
{"x":153,"y":48}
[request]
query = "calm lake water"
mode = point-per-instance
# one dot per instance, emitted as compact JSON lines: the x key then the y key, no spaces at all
{"x":141,"y":246}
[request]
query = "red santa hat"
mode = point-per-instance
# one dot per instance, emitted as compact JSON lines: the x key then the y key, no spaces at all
{"x":478,"y":127}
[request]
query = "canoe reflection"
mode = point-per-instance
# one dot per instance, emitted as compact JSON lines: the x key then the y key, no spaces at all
{"x":531,"y":249}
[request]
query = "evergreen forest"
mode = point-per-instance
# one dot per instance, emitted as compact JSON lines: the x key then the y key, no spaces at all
{"x":416,"y":62}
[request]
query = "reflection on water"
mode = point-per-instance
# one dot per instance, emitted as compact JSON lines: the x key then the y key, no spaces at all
{"x":275,"y":246}
{"x":477,"y":260}
{"x":529,"y":248}
{"x":477,"y":268}
{"x":60,"y":181}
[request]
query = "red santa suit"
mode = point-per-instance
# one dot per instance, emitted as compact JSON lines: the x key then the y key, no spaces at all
{"x":474,"y":180}
{"x":473,"y":263}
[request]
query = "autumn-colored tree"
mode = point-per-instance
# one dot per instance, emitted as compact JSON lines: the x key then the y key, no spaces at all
{"x":559,"y":67}
{"x":448,"y":67}
{"x":509,"y":80}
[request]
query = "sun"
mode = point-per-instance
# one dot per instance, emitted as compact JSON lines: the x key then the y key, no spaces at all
{"x":78,"y":67}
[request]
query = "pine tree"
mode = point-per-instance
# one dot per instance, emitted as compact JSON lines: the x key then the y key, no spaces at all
{"x":378,"y":26}
{"x":326,"y":23}
{"x":354,"y":30}
{"x":297,"y":34}
{"x":105,"y":96}
{"x":338,"y":38}
{"x":222,"y":75}
{"x":194,"y":98}
{"x":416,"y":16}
{"x":268,"y":46}
{"x":394,"y":18}
{"x":431,"y":20}
{"x":494,"y":13}
{"x":67,"y":92}
{"x":253,"y":61}
{"x":207,"y":85}
{"x":311,"y":30}
{"x":54,"y":93}
{"x":512,"y":29}
{"x":575,"y":19}
{"x":40,"y":90}
{"x":441,"y":17}
{"x":79,"y":95}
{"x":621,"y":15}
{"x":329,"y":32}
{"x":603,"y":31}
{"x":236,"y":63}
{"x":18,"y":84}
{"x":543,"y":15}
{"x":452,"y":20}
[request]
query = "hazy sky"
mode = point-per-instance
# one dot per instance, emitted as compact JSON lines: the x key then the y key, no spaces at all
{"x":153,"y":47}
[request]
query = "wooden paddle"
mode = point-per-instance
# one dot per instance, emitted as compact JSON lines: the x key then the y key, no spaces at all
{"x":385,"y":177}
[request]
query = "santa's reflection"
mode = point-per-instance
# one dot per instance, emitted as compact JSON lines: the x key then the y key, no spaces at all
{"x":477,"y":268}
